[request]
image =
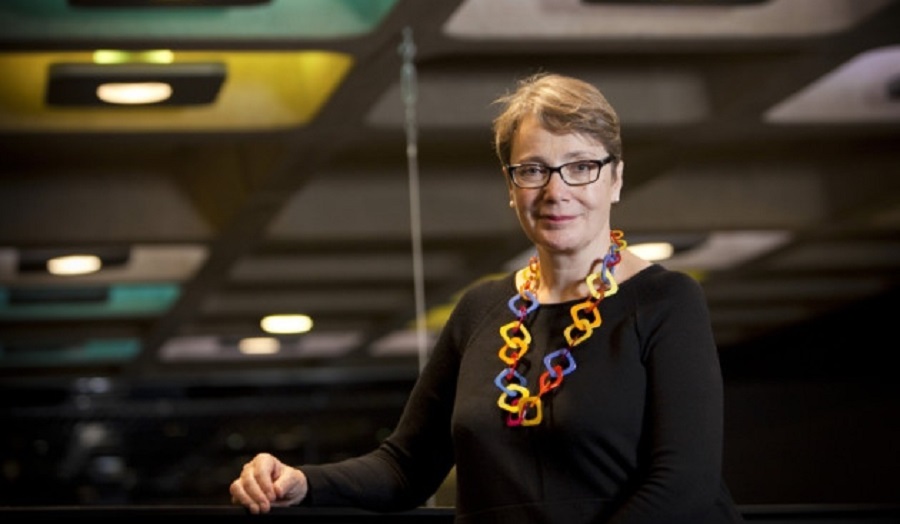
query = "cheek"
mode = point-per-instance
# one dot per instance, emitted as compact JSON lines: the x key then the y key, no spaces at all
{"x":596,"y":207}
{"x":601,"y":198}
{"x":525,"y":203}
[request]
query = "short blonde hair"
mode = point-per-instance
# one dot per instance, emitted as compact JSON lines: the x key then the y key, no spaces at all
{"x":562,"y":104}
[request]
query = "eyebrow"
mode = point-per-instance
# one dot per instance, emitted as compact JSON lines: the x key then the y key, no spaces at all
{"x":573,"y":156}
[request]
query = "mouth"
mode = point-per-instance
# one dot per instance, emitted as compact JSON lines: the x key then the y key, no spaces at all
{"x":555,"y":219}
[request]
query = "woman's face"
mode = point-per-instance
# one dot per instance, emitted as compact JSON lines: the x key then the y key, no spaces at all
{"x":560,"y":218}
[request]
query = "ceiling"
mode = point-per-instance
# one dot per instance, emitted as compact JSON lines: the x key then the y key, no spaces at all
{"x":760,"y":138}
{"x":344,"y":170}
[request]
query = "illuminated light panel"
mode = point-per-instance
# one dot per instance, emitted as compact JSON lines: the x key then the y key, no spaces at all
{"x":118,"y":56}
{"x":857,"y":91}
{"x":579,"y":19}
{"x":653,"y":251}
{"x":182,"y":84}
{"x":143,"y":264}
{"x":259,"y":346}
{"x":212,"y":348}
{"x":264,"y":91}
{"x":74,"y":265}
{"x":286,"y":324}
{"x":134,"y":93}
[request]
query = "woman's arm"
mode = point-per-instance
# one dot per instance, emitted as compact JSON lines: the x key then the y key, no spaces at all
{"x":685,"y":407}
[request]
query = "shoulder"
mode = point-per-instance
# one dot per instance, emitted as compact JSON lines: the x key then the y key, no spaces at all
{"x":653,"y":280}
{"x":478,"y":303}
{"x":657,"y":294}
{"x":488,"y":291}
{"x":669,"y":309}
{"x":661,"y":290}
{"x":656,"y":278}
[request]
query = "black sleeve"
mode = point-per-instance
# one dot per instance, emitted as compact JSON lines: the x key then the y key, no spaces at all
{"x":411,"y":463}
{"x":684,"y":405}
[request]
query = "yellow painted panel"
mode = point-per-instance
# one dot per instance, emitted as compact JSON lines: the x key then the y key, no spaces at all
{"x":263,"y":91}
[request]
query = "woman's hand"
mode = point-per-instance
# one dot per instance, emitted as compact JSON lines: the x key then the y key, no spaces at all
{"x":266,"y":482}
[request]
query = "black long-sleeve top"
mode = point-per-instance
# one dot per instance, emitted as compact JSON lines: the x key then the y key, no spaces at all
{"x":633,"y":434}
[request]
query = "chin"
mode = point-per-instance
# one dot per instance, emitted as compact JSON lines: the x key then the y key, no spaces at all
{"x":557,"y":247}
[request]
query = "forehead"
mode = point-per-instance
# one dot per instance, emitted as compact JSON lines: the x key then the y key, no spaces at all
{"x":533,"y":142}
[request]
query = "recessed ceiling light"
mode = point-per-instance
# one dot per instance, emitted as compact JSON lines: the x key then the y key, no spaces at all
{"x":259,"y":345}
{"x":120,"y":56}
{"x":134,"y":93}
{"x":653,"y":251}
{"x":74,"y":265}
{"x":181,"y":84}
{"x":286,"y":324}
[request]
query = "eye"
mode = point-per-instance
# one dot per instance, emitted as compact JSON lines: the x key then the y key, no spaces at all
{"x":584,"y":166}
{"x":531,"y":170}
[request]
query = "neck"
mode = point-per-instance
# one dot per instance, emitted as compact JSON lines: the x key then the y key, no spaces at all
{"x":562,"y":279}
{"x":562,"y":276}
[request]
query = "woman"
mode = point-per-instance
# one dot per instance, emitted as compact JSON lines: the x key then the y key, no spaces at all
{"x":582,"y":388}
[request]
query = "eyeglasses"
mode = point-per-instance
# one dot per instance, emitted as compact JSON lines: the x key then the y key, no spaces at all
{"x":578,"y":173}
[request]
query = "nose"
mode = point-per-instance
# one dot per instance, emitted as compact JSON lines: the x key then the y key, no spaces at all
{"x":554,"y":184}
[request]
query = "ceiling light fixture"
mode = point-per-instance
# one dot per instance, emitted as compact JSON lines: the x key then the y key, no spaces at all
{"x":74,"y":265}
{"x":120,"y":56}
{"x":134,"y":93}
{"x":37,"y":259}
{"x":72,"y":84}
{"x":259,"y":346}
{"x":653,"y":251}
{"x":286,"y":324}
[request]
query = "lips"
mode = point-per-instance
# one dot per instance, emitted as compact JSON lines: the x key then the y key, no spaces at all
{"x":556,"y":219}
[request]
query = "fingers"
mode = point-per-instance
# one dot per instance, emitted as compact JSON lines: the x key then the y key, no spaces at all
{"x":261,"y":470}
{"x":240,"y":497}
{"x":266,"y":482}
{"x":254,"y":488}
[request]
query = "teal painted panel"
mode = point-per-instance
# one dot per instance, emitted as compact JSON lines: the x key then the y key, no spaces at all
{"x":95,"y":351}
{"x":25,"y":21}
{"x":125,"y":300}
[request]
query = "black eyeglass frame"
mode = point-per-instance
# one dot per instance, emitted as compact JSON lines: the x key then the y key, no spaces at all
{"x":511,"y":168}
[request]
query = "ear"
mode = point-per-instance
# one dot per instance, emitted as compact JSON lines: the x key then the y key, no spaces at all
{"x":618,"y":181}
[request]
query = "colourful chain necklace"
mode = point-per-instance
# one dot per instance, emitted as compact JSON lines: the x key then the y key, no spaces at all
{"x":526,"y":408}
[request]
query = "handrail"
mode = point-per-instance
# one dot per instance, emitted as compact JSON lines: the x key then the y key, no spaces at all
{"x":795,"y":513}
